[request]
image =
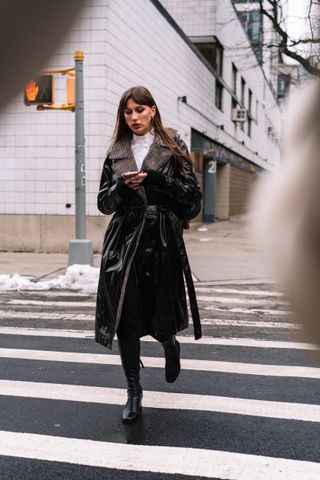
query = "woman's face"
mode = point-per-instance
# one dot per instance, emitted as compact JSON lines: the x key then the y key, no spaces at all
{"x":138,"y":117}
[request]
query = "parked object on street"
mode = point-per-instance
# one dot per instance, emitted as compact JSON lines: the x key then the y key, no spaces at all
{"x":289,"y":210}
{"x":144,"y":262}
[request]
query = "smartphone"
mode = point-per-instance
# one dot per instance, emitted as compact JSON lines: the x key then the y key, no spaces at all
{"x":127,"y":175}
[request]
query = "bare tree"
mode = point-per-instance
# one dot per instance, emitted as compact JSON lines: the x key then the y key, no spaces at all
{"x":303,"y":50}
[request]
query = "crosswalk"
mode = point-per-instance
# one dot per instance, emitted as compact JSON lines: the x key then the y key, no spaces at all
{"x":245,"y":407}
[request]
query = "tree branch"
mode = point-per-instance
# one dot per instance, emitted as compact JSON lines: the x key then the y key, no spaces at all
{"x":303,"y":61}
{"x":286,"y":44}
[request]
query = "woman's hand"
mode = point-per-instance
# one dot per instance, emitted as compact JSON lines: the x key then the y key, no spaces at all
{"x":135,"y":182}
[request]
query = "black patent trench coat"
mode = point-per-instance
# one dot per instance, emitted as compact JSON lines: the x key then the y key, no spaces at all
{"x":146,"y":234}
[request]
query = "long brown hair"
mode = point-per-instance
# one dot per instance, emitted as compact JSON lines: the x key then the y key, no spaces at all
{"x":142,"y":96}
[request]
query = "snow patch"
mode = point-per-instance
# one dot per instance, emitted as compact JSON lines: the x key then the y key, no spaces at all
{"x":76,"y":277}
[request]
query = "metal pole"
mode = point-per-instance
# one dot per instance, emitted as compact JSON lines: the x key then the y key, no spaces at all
{"x":79,"y":154}
{"x":80,"y":249}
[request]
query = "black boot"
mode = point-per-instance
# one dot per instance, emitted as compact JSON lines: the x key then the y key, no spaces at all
{"x":172,"y":353}
{"x":129,"y":349}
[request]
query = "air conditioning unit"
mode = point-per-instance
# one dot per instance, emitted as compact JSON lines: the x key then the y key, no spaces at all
{"x":239,"y":114}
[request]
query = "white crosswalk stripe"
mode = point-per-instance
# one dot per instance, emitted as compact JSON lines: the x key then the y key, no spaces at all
{"x":210,"y":299}
{"x":259,"y":293}
{"x":164,"y":400}
{"x":88,"y":317}
{"x":184,"y":461}
{"x":155,"y":362}
{"x":268,"y":329}
{"x":249,"y":323}
{"x":249,"y":311}
{"x":46,"y":315}
{"x":240,"y":301}
{"x":240,"y":342}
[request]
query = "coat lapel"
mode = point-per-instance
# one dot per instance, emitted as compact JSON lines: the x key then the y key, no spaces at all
{"x":122,"y":157}
{"x":157,"y":156}
{"x":123,"y":160}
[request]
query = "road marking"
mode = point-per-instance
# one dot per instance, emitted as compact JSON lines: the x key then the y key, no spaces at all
{"x":87,"y":317}
{"x":250,"y":311}
{"x":223,"y":322}
{"x":53,"y":293}
{"x":149,"y":458}
{"x":48,"y":303}
{"x":155,"y":362}
{"x":171,"y":401}
{"x":46,"y":315}
{"x":198,"y":287}
{"x":233,"y":300}
{"x":260,"y":293}
{"x":77,"y":304}
{"x":47,"y":332}
{"x":235,"y":342}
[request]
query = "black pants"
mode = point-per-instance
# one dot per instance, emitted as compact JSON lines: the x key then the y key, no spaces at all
{"x":130,"y":318}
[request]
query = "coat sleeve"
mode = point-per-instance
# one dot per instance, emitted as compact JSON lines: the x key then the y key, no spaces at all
{"x":183,"y":187}
{"x":109,"y":198}
{"x":185,"y":190}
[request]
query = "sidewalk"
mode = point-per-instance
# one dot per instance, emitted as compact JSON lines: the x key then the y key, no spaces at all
{"x":219,"y":252}
{"x":226,"y":252}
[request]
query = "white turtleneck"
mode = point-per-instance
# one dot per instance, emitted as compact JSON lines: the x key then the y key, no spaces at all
{"x":140,"y":145}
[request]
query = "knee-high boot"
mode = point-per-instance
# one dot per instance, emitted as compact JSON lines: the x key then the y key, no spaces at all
{"x":130,"y":357}
{"x":171,"y":348}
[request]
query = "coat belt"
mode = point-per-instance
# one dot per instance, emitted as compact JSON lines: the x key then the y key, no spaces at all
{"x":152,"y":210}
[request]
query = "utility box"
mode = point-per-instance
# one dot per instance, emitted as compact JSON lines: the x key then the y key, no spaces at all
{"x":239,"y":114}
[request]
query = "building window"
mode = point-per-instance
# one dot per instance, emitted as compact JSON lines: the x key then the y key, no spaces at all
{"x":283,"y":85}
{"x":219,"y":95}
{"x":249,"y":112}
{"x":212,"y":50}
{"x":243,"y":98}
{"x":219,"y":58}
{"x":234,"y":81}
{"x":252,"y":22}
{"x":234,"y":78}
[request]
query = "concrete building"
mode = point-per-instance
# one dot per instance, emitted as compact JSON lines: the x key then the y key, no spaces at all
{"x":186,"y":53}
{"x":262,"y":35}
{"x":265,"y":41}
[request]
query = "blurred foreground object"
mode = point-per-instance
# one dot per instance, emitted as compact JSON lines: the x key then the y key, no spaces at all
{"x":287,"y":210}
{"x":30,"y":32}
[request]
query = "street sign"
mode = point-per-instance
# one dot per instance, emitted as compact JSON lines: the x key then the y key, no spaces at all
{"x":40,"y":91}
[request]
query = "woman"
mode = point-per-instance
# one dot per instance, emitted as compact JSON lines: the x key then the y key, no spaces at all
{"x":141,"y":287}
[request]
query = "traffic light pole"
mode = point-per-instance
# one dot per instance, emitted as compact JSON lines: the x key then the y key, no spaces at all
{"x":80,"y":249}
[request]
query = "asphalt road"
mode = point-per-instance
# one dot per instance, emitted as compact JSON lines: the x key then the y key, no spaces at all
{"x":245,"y":406}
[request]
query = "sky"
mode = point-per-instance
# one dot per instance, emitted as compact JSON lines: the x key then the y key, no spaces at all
{"x":296,"y":21}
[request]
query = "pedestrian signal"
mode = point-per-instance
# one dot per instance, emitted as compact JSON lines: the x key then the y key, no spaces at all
{"x":40,"y":91}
